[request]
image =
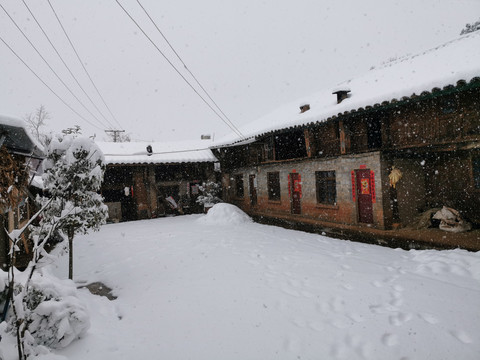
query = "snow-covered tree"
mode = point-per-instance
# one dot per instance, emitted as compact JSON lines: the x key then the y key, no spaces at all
{"x":210,"y":191}
{"x":73,"y":173}
{"x":36,"y":121}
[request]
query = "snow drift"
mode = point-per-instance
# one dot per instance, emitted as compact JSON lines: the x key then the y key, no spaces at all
{"x":225,"y":214}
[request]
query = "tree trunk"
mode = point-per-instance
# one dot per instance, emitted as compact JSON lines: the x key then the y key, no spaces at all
{"x":70,"y":252}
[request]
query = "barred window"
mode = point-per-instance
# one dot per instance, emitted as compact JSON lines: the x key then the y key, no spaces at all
{"x":239,"y":192}
{"x":273,"y":184}
{"x":326,"y":187}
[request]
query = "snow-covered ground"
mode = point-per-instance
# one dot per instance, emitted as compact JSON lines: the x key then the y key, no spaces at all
{"x":219,"y":286}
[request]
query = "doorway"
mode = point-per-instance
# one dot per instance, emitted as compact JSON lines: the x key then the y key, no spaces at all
{"x":364,"y":196}
{"x":252,"y":181}
{"x":296,"y":193}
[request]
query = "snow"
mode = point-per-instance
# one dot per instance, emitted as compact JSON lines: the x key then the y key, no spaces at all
{"x":198,"y":287}
{"x":174,"y":152}
{"x":225,"y":214}
{"x":13,"y":122}
{"x":444,"y":65}
{"x":37,"y":182}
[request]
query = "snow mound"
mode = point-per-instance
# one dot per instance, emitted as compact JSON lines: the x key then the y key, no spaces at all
{"x":225,"y":214}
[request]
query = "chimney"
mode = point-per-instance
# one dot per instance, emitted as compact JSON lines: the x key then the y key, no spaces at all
{"x":342,"y":94}
{"x":304,"y":107}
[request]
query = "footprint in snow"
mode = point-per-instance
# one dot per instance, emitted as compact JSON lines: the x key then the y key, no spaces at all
{"x":348,"y":286}
{"x":336,"y":304}
{"x":429,"y":318}
{"x":290,"y":291}
{"x":389,"y":339}
{"x":399,"y":318}
{"x":461,"y":336}
{"x":355,"y":317}
{"x":293,"y":344}
{"x":316,"y":326}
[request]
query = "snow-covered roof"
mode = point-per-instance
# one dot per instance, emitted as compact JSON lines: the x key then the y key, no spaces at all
{"x":162,"y":153}
{"x":17,"y":138}
{"x":445,"y":65}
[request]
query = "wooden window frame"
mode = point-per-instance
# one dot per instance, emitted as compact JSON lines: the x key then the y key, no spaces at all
{"x":239,"y":186}
{"x":273,"y":186}
{"x":326,"y":187}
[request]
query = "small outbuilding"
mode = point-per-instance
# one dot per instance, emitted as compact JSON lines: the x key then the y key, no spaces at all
{"x":146,"y":180}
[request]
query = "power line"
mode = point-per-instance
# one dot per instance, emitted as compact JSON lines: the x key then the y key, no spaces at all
{"x":186,"y":68}
{"x":81,"y":63}
{"x":161,"y":152}
{"x":64,"y":63}
{"x":178,"y":72}
{"x":48,"y":87}
{"x":49,"y":66}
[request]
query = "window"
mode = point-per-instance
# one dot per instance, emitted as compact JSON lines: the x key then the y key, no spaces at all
{"x":476,"y":171}
{"x":273,"y":186}
{"x":239,"y":186}
{"x":326,"y":187}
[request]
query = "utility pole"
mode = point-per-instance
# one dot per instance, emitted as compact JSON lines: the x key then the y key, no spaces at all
{"x":116,"y":134}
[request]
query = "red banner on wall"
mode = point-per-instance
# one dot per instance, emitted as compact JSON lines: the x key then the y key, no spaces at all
{"x":354,"y":191}
{"x":372,"y":186}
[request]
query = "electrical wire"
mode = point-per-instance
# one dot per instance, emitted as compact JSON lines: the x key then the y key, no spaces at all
{"x":50,"y":67}
{"x":190,"y":72}
{"x":66,"y":66}
{"x":48,"y":87}
{"x":160,"y":152}
{"x":175,"y":68}
{"x":81,"y":63}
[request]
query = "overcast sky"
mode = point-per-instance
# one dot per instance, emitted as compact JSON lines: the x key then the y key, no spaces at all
{"x":250,"y":55}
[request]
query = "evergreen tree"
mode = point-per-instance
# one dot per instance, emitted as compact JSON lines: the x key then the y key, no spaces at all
{"x":73,"y":173}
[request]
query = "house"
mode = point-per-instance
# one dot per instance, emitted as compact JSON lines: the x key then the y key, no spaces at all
{"x":147,"y":180}
{"x":376,"y":151}
{"x":20,"y":156}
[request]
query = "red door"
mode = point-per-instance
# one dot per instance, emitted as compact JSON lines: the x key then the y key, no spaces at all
{"x":296,"y":193}
{"x":253,"y":190}
{"x":364,"y":196}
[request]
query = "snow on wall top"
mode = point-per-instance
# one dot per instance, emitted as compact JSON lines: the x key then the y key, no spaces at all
{"x":162,"y":153}
{"x":444,"y":65}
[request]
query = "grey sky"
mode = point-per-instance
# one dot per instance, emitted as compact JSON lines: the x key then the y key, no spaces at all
{"x":250,"y":55}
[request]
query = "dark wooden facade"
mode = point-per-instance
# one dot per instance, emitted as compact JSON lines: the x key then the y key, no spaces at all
{"x":138,"y":191}
{"x":19,"y":159}
{"x":338,"y":170}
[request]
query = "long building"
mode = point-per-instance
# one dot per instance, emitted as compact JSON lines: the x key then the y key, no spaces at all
{"x":374,"y":152}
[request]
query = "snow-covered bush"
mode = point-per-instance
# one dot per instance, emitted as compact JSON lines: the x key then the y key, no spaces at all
{"x":210,"y":191}
{"x":471,"y":28}
{"x":53,"y":313}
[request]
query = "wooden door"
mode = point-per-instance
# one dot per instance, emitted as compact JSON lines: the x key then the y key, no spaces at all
{"x":253,"y":190}
{"x":364,"y":196}
{"x":296,"y":193}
